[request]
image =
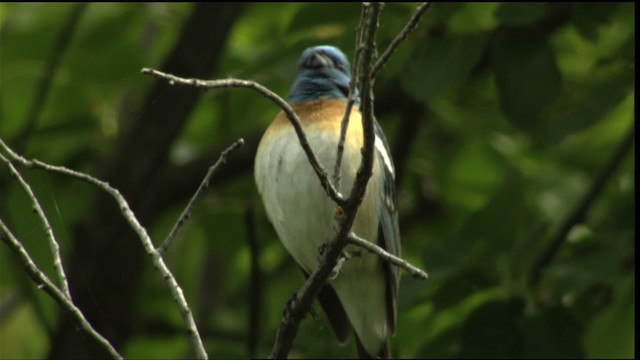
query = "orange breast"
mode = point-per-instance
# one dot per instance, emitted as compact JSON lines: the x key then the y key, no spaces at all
{"x":322,"y":115}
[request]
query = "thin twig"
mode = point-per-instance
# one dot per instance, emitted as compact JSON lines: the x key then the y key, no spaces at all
{"x":582,"y":208}
{"x":299,"y":306}
{"x":371,"y":247}
{"x":46,"y":79}
{"x":402,"y":35}
{"x":203,"y":185}
{"x":351,"y":100}
{"x":255,"y":290}
{"x":53,"y":243}
{"x":50,"y":288}
{"x":158,"y":262}
{"x":291,"y":114}
{"x":366,"y":108}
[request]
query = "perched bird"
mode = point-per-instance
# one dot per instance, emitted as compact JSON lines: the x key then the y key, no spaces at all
{"x":363,"y":294}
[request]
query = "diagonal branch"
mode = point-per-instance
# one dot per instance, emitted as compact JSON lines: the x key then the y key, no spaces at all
{"x":578,"y":215}
{"x":366,"y":108}
{"x":373,"y":248}
{"x":158,"y":262}
{"x":402,"y":35}
{"x":288,"y":110}
{"x":351,"y":99}
{"x":256,"y":298}
{"x":299,"y":306}
{"x":48,"y":74}
{"x":203,"y":185}
{"x":37,"y":208}
{"x":50,"y":288}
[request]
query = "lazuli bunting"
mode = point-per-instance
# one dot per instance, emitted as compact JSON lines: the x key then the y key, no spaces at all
{"x":363,"y":295}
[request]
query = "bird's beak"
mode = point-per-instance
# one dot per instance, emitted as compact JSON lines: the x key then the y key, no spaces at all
{"x":318,"y":59}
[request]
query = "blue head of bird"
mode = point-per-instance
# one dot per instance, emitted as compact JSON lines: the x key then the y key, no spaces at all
{"x":324,"y":72}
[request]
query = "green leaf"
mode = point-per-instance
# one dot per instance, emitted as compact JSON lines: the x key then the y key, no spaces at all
{"x":554,"y":333}
{"x":442,"y":329}
{"x":470,"y":176}
{"x":527,"y":77}
{"x":441,"y":65}
{"x":473,"y":18}
{"x":458,"y":287}
{"x":588,"y":16}
{"x":516,"y":13}
{"x":592,"y":98}
{"x":441,"y":13}
{"x":492,"y":330}
{"x":502,"y":220}
{"x":611,"y":334}
{"x":317,"y":14}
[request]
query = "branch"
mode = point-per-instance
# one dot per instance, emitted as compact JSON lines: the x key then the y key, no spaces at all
{"x":366,"y":108}
{"x":373,"y":248}
{"x":158,"y":262}
{"x":50,"y":288}
{"x":351,"y":100}
{"x":293,"y":117}
{"x":402,"y":35}
{"x":53,"y":244}
{"x":45,"y":80}
{"x":301,"y":303}
{"x":203,"y":185}
{"x":255,"y":289}
{"x":580,"y":212}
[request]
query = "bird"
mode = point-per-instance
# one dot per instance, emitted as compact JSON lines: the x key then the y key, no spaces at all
{"x":362,"y":296}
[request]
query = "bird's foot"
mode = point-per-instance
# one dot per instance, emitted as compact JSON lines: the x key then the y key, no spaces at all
{"x":344,"y":256}
{"x":336,"y":269}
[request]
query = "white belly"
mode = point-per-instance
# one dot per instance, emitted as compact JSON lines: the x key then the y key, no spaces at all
{"x":304,"y":218}
{"x":297,"y":205}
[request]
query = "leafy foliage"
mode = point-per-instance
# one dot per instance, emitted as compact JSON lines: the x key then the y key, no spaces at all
{"x":523,"y":105}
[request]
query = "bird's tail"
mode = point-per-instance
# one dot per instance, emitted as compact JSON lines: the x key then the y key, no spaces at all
{"x":384,"y":353}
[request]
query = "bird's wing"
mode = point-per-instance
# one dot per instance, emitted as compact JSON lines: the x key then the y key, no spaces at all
{"x":388,"y":231}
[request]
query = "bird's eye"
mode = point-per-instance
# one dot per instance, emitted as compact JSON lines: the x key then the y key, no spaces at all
{"x":340,"y":66}
{"x":336,"y":63}
{"x":344,"y":89}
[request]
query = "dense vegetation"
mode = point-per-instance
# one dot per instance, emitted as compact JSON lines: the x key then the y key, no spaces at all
{"x":511,"y":125}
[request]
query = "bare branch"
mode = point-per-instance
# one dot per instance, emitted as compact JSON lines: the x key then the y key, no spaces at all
{"x":48,"y":73}
{"x":203,"y":185}
{"x":158,"y":262}
{"x":255,"y":289}
{"x":50,"y":288}
{"x":351,"y":100}
{"x":402,"y":35}
{"x":293,"y":117}
{"x":298,"y":307}
{"x":53,"y":244}
{"x":373,"y":248}
{"x":579,"y":213}
{"x":366,"y":108}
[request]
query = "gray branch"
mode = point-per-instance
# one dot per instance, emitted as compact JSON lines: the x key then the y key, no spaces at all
{"x":291,"y":114}
{"x":364,"y":71}
{"x":402,"y":35}
{"x":299,"y":306}
{"x":373,"y":248}
{"x":158,"y":262}
{"x":203,"y":185}
{"x":50,"y":288}
{"x":37,"y":208}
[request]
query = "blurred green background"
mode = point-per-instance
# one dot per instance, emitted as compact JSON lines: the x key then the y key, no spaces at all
{"x":501,"y":118}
